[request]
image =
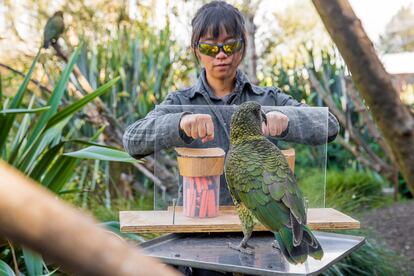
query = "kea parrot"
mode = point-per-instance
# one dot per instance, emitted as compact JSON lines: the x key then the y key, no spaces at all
{"x":53,"y":29}
{"x":263,"y":187}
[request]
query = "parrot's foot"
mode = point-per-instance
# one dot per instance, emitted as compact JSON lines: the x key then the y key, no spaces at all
{"x":275,"y":245}
{"x":249,"y":246}
{"x":247,"y":249}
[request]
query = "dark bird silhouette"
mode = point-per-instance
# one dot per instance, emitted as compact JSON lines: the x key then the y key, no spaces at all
{"x":53,"y":29}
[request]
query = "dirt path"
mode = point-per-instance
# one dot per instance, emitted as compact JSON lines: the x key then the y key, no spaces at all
{"x":396,"y":225}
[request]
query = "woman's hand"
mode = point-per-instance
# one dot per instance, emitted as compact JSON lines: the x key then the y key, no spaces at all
{"x":276,"y":123}
{"x":198,"y":126}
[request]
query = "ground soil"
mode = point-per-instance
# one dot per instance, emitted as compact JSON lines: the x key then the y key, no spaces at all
{"x":395,"y":224}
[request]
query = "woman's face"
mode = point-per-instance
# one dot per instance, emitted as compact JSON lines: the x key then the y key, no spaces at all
{"x":221,"y":66}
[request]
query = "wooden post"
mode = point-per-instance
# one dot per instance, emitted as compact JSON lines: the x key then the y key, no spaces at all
{"x":34,"y":217}
{"x":392,"y":117}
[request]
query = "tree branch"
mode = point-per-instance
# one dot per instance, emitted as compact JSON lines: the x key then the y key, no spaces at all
{"x":355,"y":137}
{"x":375,"y":85}
{"x":34,"y":217}
{"x":23,"y":75}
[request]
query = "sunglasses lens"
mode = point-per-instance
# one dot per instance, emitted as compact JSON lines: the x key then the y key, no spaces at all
{"x":212,"y":50}
{"x":230,"y":48}
{"x":207,"y":49}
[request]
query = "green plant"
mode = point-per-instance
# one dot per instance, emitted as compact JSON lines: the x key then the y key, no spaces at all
{"x":348,"y":191}
{"x":372,"y":258}
{"x":149,"y":63}
{"x":353,"y":191}
{"x":34,"y":143}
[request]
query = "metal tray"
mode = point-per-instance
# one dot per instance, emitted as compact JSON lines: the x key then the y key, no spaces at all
{"x":211,"y":251}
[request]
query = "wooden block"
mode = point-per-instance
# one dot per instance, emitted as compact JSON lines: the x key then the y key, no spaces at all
{"x":226,"y":221}
{"x":290,"y":157}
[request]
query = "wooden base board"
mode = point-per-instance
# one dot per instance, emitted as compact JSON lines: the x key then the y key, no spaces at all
{"x":227,"y":221}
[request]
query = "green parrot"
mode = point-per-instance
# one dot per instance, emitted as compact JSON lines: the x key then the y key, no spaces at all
{"x":53,"y":29}
{"x":264,"y":188}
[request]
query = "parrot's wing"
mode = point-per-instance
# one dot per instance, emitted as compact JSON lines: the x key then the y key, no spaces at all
{"x":259,"y":176}
{"x":280,"y":183}
{"x":244,"y":175}
{"x":231,"y":175}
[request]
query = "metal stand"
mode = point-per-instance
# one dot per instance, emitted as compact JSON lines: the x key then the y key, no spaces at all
{"x":210,"y":251}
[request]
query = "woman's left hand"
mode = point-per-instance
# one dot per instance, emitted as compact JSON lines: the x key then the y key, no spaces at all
{"x":276,"y":123}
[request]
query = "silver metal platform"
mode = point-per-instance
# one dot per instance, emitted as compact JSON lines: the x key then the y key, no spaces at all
{"x":211,"y":251}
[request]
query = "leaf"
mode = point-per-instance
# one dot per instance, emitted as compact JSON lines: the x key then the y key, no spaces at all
{"x":98,"y":132}
{"x":114,"y":227}
{"x":102,"y":153}
{"x":71,"y":191}
{"x":60,"y":173}
{"x":5,"y":269}
{"x":46,"y":160}
{"x":51,"y":273}
{"x":1,"y":93}
{"x":7,"y":122}
{"x":89,"y":143}
{"x":23,"y":110}
{"x":33,"y":262}
{"x":69,"y":110}
{"x":56,"y":97}
{"x":26,"y":161}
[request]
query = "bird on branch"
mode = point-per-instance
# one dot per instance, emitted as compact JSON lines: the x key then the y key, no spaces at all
{"x":53,"y":29}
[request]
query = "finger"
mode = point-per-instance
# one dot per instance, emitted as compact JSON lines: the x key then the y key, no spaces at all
{"x":284,"y":127}
{"x":194,"y":129}
{"x":278,"y":128}
{"x":201,"y":127}
{"x":273,"y":127}
{"x":210,"y":129}
{"x":187,"y":129}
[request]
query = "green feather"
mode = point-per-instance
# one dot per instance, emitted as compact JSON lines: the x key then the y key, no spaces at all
{"x":260,"y":179}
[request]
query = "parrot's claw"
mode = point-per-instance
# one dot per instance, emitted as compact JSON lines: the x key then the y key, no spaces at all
{"x":249,"y":246}
{"x":248,"y":249}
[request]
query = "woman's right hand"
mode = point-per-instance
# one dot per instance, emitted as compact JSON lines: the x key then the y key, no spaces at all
{"x":198,"y":126}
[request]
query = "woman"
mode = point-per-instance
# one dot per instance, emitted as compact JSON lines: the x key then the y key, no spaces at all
{"x":219,"y":44}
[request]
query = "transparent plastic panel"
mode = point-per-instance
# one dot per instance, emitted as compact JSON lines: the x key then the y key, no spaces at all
{"x":199,"y":192}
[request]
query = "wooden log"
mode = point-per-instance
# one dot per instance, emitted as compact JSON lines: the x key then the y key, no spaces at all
{"x":34,"y":217}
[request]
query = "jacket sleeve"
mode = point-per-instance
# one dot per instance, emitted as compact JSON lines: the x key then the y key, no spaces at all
{"x":306,"y":129}
{"x":158,"y":130}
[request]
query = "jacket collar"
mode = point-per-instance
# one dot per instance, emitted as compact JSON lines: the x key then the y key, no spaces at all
{"x":242,"y":83}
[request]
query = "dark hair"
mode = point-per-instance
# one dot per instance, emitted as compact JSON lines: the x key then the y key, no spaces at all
{"x":215,"y":15}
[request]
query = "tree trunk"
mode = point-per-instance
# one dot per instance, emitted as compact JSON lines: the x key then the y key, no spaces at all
{"x":251,"y":56}
{"x":374,"y":83}
{"x":34,"y":217}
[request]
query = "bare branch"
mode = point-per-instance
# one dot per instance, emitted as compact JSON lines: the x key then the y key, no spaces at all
{"x":23,"y":75}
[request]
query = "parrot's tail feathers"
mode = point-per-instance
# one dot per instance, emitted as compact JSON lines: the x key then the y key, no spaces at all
{"x":294,"y":254}
{"x":283,"y":249}
{"x":297,"y":230}
{"x":298,"y":254}
{"x":315,"y":249}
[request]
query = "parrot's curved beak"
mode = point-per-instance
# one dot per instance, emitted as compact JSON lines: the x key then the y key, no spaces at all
{"x":264,"y":117}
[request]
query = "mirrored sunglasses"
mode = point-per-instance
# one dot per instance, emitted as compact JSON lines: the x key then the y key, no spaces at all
{"x":212,"y":50}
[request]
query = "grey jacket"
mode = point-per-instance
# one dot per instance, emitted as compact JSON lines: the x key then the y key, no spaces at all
{"x":160,"y":128}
